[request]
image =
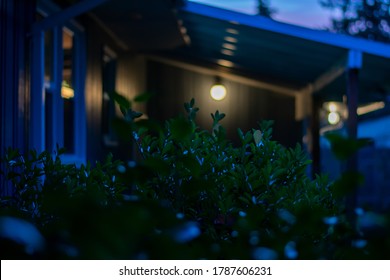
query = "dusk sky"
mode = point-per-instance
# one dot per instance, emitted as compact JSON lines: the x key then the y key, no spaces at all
{"x":307,"y":13}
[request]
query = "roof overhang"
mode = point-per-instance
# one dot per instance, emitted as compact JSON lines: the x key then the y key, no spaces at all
{"x":136,"y":25}
{"x":284,"y":58}
{"x":142,"y":25}
{"x":293,"y":58}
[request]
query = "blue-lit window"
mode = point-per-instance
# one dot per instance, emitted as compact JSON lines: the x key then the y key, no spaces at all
{"x":58,"y":78}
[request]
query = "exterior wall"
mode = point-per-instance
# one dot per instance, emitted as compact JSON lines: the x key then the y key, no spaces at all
{"x":93,"y":92}
{"x":16,"y":17}
{"x":244,"y":106}
{"x":130,"y":80}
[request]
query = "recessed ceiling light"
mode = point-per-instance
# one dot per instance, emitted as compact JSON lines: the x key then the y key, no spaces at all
{"x":224,"y":62}
{"x":229,"y":46}
{"x":227,"y":52}
{"x":230,"y":39}
{"x":232,"y":31}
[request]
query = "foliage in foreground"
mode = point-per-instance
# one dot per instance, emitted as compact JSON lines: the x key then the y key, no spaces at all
{"x":191,"y":195}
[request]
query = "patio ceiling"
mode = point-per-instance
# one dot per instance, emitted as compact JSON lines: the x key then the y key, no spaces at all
{"x":135,"y":25}
{"x":276,"y":53}
{"x":287,"y":58}
{"x":142,"y":25}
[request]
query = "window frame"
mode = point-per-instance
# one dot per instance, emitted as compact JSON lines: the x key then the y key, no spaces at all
{"x":39,"y":88}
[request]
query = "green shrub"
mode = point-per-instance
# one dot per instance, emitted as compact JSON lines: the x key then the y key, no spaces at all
{"x":191,"y":194}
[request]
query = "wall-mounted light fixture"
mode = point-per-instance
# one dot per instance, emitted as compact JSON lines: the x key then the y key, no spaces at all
{"x":218,"y":90}
{"x":335,"y":112}
{"x":334,"y":118}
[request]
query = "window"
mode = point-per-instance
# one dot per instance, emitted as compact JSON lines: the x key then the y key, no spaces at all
{"x":57,"y":90}
{"x":67,"y":92}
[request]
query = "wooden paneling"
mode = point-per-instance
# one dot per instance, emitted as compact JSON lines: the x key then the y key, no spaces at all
{"x":94,"y":92}
{"x":130,"y":81}
{"x":244,"y":106}
{"x":15,"y":18}
{"x":131,"y":74}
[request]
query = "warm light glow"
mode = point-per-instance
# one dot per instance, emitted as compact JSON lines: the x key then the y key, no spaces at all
{"x":67,"y":92}
{"x":232,"y":31}
{"x":218,"y":92}
{"x":230,"y":39}
{"x":332,"y":107}
{"x":370,"y":108}
{"x":227,"y":52}
{"x":225,"y":63}
{"x":336,"y":107}
{"x":229,"y":46}
{"x":187,"y":39}
{"x":333,"y":118}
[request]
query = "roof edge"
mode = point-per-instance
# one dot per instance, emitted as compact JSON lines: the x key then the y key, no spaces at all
{"x":320,"y":36}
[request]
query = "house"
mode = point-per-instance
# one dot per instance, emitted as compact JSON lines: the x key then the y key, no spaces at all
{"x":60,"y":59}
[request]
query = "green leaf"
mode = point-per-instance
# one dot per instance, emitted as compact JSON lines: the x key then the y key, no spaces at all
{"x":122,"y":101}
{"x":257,"y":136}
{"x":122,"y":128}
{"x":191,"y":163}
{"x":248,"y":138}
{"x":348,"y":183}
{"x":194,"y":187}
{"x":181,"y":129}
{"x":136,"y":115}
{"x":240,"y":134}
{"x":144,"y":97}
{"x":148,"y":125}
{"x":157,"y":165}
{"x":343,"y":147}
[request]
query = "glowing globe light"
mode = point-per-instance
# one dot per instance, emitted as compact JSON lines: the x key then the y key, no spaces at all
{"x":218,"y":92}
{"x":333,"y":118}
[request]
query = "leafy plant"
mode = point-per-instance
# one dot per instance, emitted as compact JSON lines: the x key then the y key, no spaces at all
{"x":190,"y":194}
{"x":257,"y":188}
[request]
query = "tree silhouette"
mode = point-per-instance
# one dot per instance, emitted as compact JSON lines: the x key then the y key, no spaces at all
{"x":264,"y":9}
{"x":363,"y":18}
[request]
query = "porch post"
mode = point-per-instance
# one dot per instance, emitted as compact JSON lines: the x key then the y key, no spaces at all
{"x":353,"y":67}
{"x":315,"y":135}
{"x":37,"y":99}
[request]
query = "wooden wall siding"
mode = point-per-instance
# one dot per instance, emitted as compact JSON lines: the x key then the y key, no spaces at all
{"x":131,"y":77}
{"x":16,"y":17}
{"x":130,"y":81}
{"x":93,"y":93}
{"x":244,"y":106}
